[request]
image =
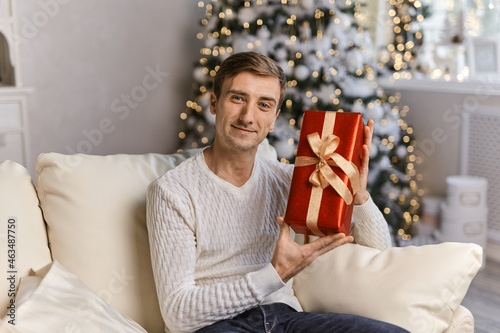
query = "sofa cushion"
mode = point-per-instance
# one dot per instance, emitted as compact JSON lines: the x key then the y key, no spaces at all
{"x":95,"y":210}
{"x":418,"y":288}
{"x":55,"y":300}
{"x":21,"y":227}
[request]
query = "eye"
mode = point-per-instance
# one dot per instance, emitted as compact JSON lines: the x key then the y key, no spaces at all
{"x":237,"y":98}
{"x":265,"y":106}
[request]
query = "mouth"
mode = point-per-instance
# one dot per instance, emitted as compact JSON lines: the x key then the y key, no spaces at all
{"x":243,"y":129}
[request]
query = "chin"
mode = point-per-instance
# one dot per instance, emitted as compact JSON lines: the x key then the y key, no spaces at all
{"x":244,"y":148}
{"x":242,"y":144}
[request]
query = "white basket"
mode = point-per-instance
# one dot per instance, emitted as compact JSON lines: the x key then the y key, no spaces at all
{"x":466,"y":225}
{"x":466,"y":191}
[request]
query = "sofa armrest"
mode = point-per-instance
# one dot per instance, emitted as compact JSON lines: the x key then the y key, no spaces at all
{"x":21,"y":228}
{"x":462,"y":321}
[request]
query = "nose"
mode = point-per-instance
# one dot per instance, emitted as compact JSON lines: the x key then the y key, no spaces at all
{"x":247,"y":114}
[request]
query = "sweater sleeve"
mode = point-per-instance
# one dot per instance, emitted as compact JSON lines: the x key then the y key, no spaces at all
{"x":186,"y":306}
{"x":369,"y":226}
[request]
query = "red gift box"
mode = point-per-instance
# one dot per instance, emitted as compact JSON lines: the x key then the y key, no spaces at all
{"x":325,"y":177}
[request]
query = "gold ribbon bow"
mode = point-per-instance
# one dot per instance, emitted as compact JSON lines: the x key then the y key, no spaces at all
{"x":324,"y":148}
{"x":323,"y":175}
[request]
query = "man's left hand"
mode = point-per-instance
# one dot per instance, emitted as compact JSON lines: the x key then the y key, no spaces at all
{"x":362,"y":195}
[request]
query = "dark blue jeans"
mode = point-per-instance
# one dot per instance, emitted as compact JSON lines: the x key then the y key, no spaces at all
{"x":279,"y":317}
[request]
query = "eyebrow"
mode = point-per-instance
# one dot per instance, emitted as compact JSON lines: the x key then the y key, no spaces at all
{"x":240,"y":92}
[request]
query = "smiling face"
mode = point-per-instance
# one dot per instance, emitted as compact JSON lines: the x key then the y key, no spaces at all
{"x":245,"y":111}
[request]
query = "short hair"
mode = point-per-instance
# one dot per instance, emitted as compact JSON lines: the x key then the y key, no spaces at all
{"x":252,"y":62}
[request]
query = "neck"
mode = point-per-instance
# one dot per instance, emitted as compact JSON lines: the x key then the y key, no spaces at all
{"x":234,"y":167}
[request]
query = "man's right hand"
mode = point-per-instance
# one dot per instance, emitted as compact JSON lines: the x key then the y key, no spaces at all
{"x":289,"y":258}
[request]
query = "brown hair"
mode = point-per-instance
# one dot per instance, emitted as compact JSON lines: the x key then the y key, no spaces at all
{"x":249,"y":62}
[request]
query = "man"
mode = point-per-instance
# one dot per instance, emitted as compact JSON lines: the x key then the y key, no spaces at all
{"x":221,"y":261}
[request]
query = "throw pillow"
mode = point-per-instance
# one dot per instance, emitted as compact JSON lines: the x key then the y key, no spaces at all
{"x":95,"y":210}
{"x":55,"y":300}
{"x":417,"y":288}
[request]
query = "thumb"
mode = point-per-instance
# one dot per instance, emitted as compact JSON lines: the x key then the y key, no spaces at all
{"x":284,"y":227}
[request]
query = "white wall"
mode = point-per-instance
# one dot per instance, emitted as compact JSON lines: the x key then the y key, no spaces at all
{"x":90,"y":64}
{"x":436,"y":117}
{"x":440,"y":158}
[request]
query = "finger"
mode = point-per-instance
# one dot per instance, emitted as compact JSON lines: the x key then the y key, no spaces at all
{"x":337,"y":243}
{"x":367,"y":146}
{"x":371,"y":124}
{"x":366,"y":157}
{"x":325,"y":241}
{"x":368,"y":132}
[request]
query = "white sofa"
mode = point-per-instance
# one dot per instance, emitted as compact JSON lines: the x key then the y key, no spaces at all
{"x":85,"y":222}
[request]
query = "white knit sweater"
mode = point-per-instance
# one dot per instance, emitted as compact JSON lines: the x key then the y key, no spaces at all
{"x":212,"y":242}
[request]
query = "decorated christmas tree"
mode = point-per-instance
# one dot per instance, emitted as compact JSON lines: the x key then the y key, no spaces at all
{"x":405,"y":18}
{"x":328,"y":59}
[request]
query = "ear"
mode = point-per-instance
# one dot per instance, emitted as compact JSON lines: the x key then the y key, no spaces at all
{"x":213,"y":103}
{"x":271,"y":128}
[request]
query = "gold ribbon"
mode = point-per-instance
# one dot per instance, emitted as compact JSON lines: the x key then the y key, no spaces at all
{"x":324,"y":148}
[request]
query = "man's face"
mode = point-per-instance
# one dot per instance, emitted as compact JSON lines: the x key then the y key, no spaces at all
{"x":246,"y":110}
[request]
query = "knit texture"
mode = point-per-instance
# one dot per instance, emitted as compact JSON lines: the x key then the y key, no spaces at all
{"x":212,"y":242}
